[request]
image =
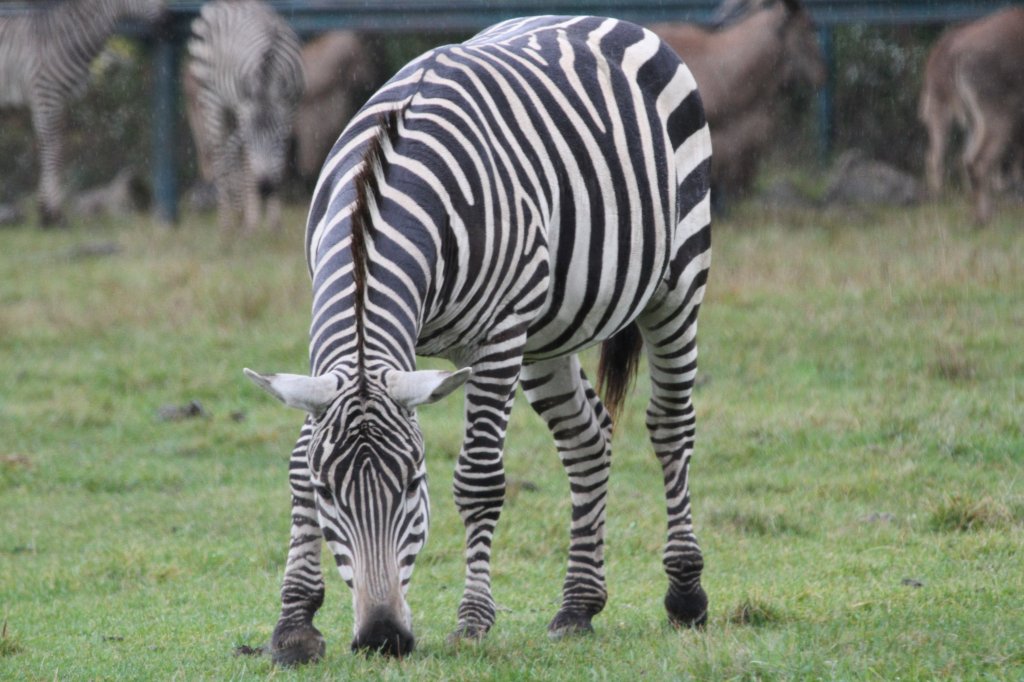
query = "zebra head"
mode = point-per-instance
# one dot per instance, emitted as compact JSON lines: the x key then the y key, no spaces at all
{"x":368,"y":473}
{"x":269,"y":94}
{"x":264,"y":127}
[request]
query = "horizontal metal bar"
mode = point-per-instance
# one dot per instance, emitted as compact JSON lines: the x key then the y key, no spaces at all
{"x":310,"y":16}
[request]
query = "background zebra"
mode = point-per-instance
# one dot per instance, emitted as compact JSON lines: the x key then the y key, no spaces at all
{"x":248,"y":75}
{"x":44,"y":64}
{"x":503,"y":203}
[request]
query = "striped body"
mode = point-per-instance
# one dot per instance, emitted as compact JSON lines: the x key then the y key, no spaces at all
{"x":44,"y":65}
{"x":503,"y":203}
{"x":247,"y":74}
{"x":569,"y":221}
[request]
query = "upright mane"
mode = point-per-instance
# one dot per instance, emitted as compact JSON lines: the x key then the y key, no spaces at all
{"x":367,"y":186}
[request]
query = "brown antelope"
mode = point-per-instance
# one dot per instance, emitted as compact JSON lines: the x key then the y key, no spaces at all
{"x":975,"y":76}
{"x":741,"y":69}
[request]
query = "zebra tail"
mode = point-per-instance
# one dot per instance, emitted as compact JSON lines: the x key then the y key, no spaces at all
{"x":620,"y":358}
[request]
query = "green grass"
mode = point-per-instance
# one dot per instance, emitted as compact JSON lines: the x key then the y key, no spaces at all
{"x":857,"y":483}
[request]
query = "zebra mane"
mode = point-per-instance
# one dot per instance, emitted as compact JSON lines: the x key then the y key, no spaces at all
{"x":367,"y":186}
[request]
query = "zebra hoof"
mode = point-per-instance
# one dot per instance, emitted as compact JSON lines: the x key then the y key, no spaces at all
{"x":297,"y":646}
{"x":569,"y":624}
{"x":51,"y":217}
{"x":472,"y":632}
{"x":688,"y":609}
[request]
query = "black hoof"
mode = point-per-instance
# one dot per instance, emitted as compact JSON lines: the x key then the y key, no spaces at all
{"x":296,"y":646}
{"x":689,"y":609}
{"x":51,"y":217}
{"x":570,"y":623}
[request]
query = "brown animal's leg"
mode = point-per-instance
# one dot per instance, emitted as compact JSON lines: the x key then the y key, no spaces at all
{"x":48,"y":122}
{"x":938,"y":138}
{"x":295,"y":640}
{"x":988,"y":144}
{"x":559,"y":392}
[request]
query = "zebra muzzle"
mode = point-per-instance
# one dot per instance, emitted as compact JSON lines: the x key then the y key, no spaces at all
{"x":382,"y":633}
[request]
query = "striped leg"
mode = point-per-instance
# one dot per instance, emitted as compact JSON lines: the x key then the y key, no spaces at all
{"x":559,"y":392}
{"x":670,"y":335}
{"x":480,"y":479}
{"x":227,"y":166}
{"x":249,"y":195}
{"x":295,"y":640}
{"x":48,"y":123}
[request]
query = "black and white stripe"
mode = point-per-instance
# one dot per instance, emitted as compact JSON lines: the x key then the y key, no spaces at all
{"x":44,"y":65}
{"x":502,"y":203}
{"x":247,"y":68}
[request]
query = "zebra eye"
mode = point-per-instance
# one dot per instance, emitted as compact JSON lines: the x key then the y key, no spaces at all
{"x":414,"y":486}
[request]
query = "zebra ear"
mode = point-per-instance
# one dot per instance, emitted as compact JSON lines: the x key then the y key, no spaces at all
{"x":312,"y":394}
{"x":426,"y":386}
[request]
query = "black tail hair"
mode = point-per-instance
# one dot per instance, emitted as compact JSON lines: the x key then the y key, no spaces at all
{"x":620,"y":358}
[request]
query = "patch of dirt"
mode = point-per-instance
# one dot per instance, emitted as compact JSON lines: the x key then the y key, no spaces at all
{"x":246,"y":650}
{"x":175,"y":413}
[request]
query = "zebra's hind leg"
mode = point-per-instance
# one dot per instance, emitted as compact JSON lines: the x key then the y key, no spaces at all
{"x":295,"y":640}
{"x":670,"y":335}
{"x":559,"y":392}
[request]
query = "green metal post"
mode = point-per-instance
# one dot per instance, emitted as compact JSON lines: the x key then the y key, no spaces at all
{"x":825,"y":95}
{"x":165,"y":110}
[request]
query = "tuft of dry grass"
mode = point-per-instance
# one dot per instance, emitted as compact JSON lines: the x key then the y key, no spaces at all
{"x":952,"y":364}
{"x":755,"y":612}
{"x":962,"y":513}
{"x":9,"y":645}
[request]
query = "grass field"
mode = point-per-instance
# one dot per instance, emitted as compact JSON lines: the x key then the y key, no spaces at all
{"x":857,"y":483}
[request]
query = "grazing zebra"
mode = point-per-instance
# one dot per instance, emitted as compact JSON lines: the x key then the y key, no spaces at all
{"x":44,"y":65}
{"x":503,"y":203}
{"x":248,"y":76}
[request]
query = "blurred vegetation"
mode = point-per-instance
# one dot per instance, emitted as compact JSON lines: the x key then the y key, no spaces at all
{"x":877,"y":82}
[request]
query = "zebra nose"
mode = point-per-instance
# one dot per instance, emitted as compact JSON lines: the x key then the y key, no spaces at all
{"x":382,"y":634}
{"x":265,"y":187}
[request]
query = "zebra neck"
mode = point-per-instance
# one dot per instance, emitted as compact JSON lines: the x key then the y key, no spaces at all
{"x":368,"y":325}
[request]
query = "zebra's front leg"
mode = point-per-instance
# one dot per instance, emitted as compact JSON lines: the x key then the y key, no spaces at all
{"x":480,"y":481}
{"x":295,"y":640}
{"x":559,"y":392}
{"x":250,"y":198}
{"x":273,"y":212}
{"x":48,"y":123}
